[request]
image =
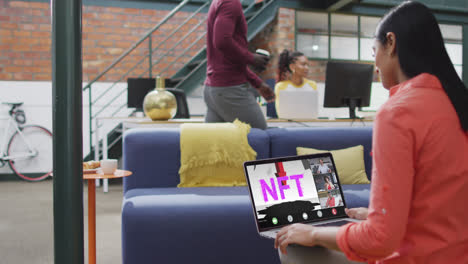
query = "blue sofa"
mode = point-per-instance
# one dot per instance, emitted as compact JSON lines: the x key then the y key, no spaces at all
{"x":165,"y":224}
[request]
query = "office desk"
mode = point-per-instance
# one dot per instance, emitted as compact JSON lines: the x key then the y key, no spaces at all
{"x":274,"y":122}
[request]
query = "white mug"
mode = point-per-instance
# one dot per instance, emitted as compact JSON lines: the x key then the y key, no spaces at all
{"x":263,"y":52}
{"x":109,"y":166}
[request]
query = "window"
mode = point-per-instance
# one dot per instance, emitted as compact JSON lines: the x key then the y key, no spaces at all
{"x":452,"y":35}
{"x":326,"y":36}
{"x":312,"y":36}
{"x":335,"y":36}
{"x":344,"y":37}
{"x":366,"y":37}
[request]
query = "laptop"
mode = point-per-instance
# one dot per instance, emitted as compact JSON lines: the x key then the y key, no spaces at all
{"x":292,"y":190}
{"x":298,"y":104}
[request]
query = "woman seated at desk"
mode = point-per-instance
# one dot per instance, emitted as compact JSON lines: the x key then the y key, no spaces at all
{"x":293,"y":68}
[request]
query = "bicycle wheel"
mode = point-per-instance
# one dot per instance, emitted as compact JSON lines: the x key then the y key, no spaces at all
{"x":31,"y":153}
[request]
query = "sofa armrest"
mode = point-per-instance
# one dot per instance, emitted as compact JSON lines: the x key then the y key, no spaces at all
{"x":153,"y":155}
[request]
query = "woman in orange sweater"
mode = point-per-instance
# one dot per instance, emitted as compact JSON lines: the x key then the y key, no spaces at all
{"x":420,"y":144}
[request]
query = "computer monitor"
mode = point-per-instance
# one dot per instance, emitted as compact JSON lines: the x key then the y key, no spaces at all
{"x":348,"y":85}
{"x":137,"y":90}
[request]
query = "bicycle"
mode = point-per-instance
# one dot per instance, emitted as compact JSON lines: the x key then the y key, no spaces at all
{"x":29,"y":149}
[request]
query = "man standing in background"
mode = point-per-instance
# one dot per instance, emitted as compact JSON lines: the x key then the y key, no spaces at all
{"x":228,"y":94}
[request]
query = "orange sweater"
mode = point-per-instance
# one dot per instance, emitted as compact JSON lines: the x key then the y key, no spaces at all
{"x":418,"y":210}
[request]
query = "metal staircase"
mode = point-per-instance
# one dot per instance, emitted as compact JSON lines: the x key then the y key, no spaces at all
{"x":166,"y":58}
{"x":193,"y":73}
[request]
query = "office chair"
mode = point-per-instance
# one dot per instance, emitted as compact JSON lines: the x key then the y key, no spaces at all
{"x":182,"y":107}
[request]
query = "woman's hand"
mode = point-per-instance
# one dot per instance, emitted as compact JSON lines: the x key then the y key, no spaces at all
{"x":359,"y":213}
{"x":295,"y":234}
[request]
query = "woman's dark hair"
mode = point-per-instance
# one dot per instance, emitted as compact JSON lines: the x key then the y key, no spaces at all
{"x":285,"y":59}
{"x":420,"y":49}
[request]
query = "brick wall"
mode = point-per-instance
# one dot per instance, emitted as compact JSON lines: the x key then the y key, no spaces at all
{"x":278,"y":35}
{"x":25,"y":40}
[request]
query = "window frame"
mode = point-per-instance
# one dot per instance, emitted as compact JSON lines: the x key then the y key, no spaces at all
{"x":329,"y":35}
{"x":359,"y":37}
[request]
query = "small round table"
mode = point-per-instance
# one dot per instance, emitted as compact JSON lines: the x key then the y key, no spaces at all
{"x":92,"y":177}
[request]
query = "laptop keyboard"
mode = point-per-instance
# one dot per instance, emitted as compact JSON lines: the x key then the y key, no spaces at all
{"x":270,"y":234}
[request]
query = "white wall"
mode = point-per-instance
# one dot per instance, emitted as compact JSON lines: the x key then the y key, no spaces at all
{"x":37,"y":98}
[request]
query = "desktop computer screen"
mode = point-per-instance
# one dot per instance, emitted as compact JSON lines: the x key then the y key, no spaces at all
{"x":137,"y":90}
{"x":348,"y":85}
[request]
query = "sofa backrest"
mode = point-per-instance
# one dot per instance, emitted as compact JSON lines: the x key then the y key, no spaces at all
{"x":153,"y":155}
{"x":283,"y":141}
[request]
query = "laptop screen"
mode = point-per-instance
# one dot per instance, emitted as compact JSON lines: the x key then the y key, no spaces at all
{"x":294,"y":190}
{"x":298,"y":104}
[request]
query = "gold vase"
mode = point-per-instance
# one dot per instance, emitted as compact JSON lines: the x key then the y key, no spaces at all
{"x":160,"y":104}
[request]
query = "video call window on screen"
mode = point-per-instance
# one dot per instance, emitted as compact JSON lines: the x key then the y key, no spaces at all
{"x":292,"y":188}
{"x":326,"y":183}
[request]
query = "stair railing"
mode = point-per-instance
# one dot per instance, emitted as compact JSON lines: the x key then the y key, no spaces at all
{"x":256,"y":19}
{"x":151,"y":62}
{"x":200,"y":37}
{"x":147,"y":36}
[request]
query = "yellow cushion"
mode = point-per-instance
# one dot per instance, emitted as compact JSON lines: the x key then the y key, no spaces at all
{"x":349,"y":163}
{"x":212,"y":154}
